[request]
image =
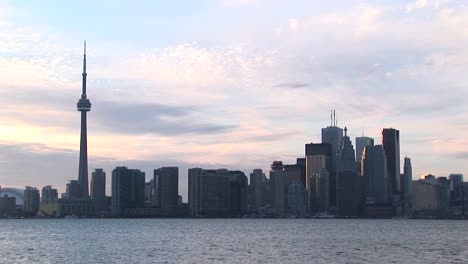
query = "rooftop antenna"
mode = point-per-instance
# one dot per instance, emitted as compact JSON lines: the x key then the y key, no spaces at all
{"x":334,"y":117}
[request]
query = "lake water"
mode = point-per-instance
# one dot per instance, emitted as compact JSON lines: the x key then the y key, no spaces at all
{"x":232,"y":241}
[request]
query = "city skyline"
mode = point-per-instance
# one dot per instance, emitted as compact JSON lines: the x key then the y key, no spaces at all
{"x":217,"y":104}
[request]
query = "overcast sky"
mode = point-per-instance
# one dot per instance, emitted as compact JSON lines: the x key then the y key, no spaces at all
{"x":227,"y":83}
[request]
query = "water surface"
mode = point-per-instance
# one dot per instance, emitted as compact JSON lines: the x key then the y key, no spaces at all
{"x":232,"y":241}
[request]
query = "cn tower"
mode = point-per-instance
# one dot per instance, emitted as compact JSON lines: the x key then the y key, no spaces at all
{"x":84,"y":105}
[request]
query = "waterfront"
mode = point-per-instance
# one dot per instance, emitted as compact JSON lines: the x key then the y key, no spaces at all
{"x":232,"y":241}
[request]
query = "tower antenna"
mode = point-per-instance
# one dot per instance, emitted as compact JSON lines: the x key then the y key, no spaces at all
{"x":331,"y":117}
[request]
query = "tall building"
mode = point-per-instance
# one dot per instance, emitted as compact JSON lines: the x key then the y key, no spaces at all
{"x":128,"y":190}
{"x":257,"y":181}
{"x":348,"y":193}
{"x":31,"y":200}
{"x":333,"y":135}
{"x":407,"y":183}
{"x":278,"y":179}
{"x":98,"y":190}
{"x":457,"y":187}
{"x":346,"y":157}
{"x":318,"y":168}
{"x":350,"y":197}
{"x":49,"y":193}
{"x":98,"y":184}
{"x":374,"y":170}
{"x":73,"y":189}
{"x":208,"y":192}
{"x":166,"y":184}
{"x":361,"y":143}
{"x":7,"y":205}
{"x":237,"y":193}
{"x":83,"y":105}
{"x":391,"y":144}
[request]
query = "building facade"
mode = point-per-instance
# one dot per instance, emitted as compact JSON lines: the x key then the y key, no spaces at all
{"x":128,"y":190}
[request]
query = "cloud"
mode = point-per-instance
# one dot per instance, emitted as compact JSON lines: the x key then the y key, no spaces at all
{"x":153,"y":119}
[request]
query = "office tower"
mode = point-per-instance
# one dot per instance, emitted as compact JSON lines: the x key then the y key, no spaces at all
{"x":457,"y":188}
{"x":374,"y":170}
{"x":83,"y":105}
{"x":296,"y":198}
{"x":73,"y":189}
{"x":166,"y":184}
{"x":391,"y":144}
{"x":208,"y":192}
{"x":98,"y":190}
{"x":350,"y":198}
{"x":319,"y":191}
{"x":49,"y":193}
{"x":348,"y":193}
{"x":346,"y":157}
{"x":237,"y":193}
{"x":361,"y":143}
{"x":257,"y":181}
{"x":318,"y":167}
{"x":7,"y":205}
{"x":98,"y":184}
{"x":277,"y":178}
{"x":31,"y":200}
{"x":128,"y":190}
{"x":406,"y":184}
{"x":333,"y":135}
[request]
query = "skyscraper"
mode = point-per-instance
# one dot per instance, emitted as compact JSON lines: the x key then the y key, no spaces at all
{"x":49,"y":193}
{"x":166,"y":184}
{"x":374,"y":170}
{"x":98,"y":190}
{"x":208,"y":192}
{"x":128,"y":190}
{"x":346,"y":157}
{"x":391,"y":144}
{"x":361,"y":143}
{"x":318,"y":167}
{"x":98,"y":184}
{"x":333,"y":135}
{"x":31,"y":200}
{"x":407,"y":182}
{"x":83,"y":105}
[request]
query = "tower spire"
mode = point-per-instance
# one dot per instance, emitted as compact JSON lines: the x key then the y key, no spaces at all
{"x":83,"y":93}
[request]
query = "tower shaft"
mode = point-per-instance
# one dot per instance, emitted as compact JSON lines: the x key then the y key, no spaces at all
{"x":84,"y":105}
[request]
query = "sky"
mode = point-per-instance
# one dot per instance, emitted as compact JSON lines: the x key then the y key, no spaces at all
{"x":227,"y":83}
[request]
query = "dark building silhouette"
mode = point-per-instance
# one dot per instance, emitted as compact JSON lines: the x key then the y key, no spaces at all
{"x":406,"y":181}
{"x":7,"y":206}
{"x":333,"y":135}
{"x":361,"y":143}
{"x":49,"y":193}
{"x":208,"y":192}
{"x":374,"y":170}
{"x":350,"y":198}
{"x":256,"y":189}
{"x":217,"y":193}
{"x":98,"y":190}
{"x":391,"y":144}
{"x":31,"y":200}
{"x":73,"y":189}
{"x":349,"y":195}
{"x":128,"y":190}
{"x":166,"y":184}
{"x":83,"y":105}
{"x":237,"y":193}
{"x":318,"y":167}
